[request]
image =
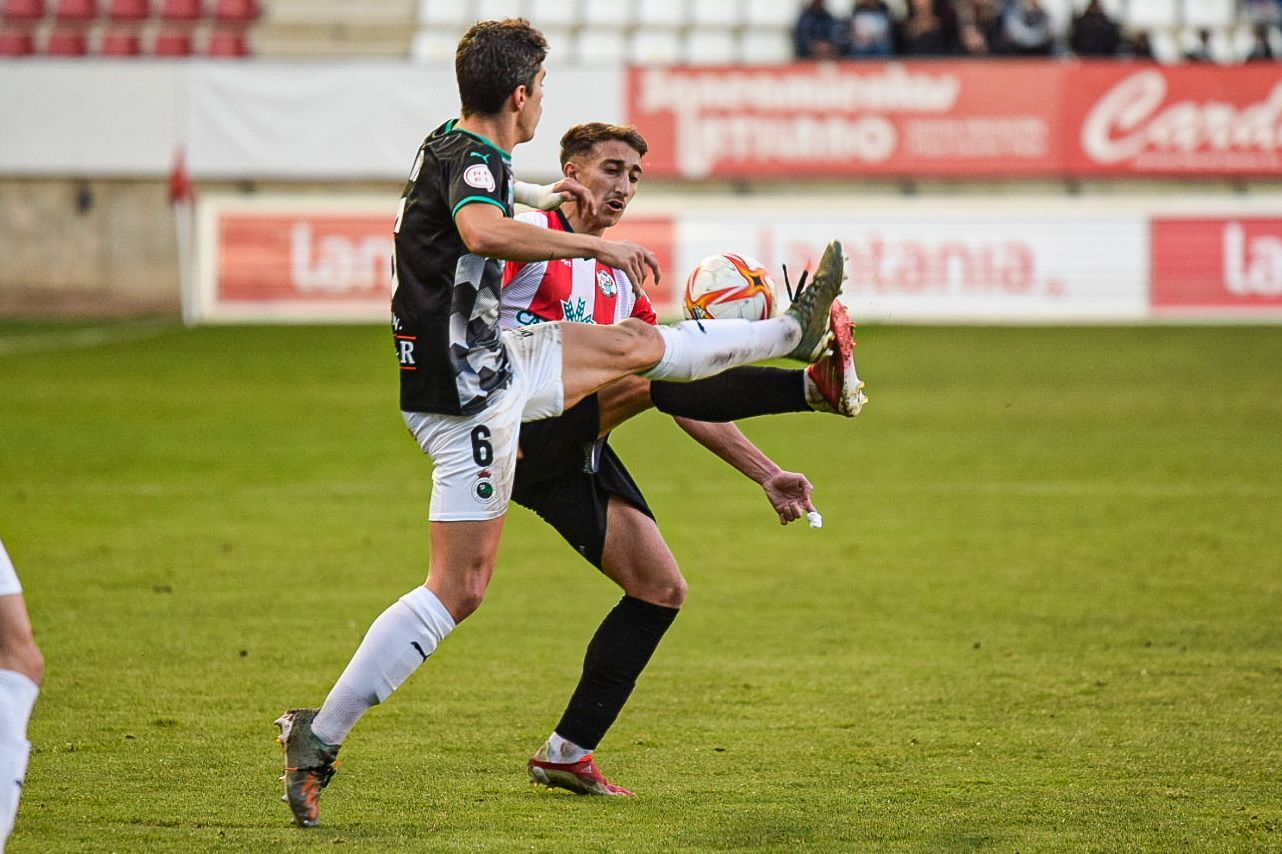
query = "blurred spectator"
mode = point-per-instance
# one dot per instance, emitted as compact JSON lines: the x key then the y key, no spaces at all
{"x":1026,"y":29}
{"x":1094,"y":33}
{"x":1264,"y":11}
{"x":981,"y":27}
{"x":872,"y":29}
{"x":1138,"y":46}
{"x":931,"y":28}
{"x":1201,"y":50}
{"x":1262,"y":49}
{"x":817,"y":33}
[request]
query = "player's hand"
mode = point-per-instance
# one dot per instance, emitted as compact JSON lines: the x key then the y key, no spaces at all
{"x":571,"y":190}
{"x":632,"y":258}
{"x":541,"y":197}
{"x":789,"y":493}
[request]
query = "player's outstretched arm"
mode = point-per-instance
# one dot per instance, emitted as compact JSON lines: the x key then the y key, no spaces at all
{"x":486,"y":231}
{"x":788,"y":492}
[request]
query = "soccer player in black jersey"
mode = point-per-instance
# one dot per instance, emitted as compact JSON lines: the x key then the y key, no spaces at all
{"x":466,"y":388}
{"x":574,"y":480}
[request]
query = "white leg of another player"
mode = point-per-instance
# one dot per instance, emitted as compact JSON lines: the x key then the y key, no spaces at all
{"x":21,"y":669}
{"x":17,"y":698}
{"x":695,"y":350}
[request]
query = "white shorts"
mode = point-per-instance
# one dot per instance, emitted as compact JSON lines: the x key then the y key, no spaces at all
{"x":475,"y":455}
{"x":8,"y":575}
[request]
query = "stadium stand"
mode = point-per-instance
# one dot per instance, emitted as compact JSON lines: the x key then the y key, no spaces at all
{"x":127,"y":28}
{"x":593,"y":32}
{"x":23,"y":10}
{"x":121,"y":42}
{"x":16,"y":43}
{"x":182,"y":10}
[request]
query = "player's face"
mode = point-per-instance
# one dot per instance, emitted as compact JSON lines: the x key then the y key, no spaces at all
{"x":527,"y":119}
{"x":611,"y":173}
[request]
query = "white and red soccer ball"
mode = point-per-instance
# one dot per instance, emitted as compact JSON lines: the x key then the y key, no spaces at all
{"x":730,"y":286}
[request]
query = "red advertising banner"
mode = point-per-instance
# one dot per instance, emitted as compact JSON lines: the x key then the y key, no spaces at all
{"x":299,"y":262}
{"x":959,"y":119}
{"x":1185,"y":120}
{"x":847,"y":120}
{"x":303,"y":258}
{"x":1223,"y":264}
{"x":658,"y":235}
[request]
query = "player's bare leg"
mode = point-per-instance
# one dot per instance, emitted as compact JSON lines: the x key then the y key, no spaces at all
{"x":21,"y":672}
{"x":462,"y":563}
{"x":638,"y":560}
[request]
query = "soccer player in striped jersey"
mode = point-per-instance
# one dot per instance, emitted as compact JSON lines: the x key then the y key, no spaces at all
{"x":573,"y":479}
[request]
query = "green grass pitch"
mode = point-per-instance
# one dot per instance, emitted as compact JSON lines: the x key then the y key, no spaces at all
{"x":1044,"y":613}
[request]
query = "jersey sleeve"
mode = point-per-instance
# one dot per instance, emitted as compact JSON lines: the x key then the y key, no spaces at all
{"x":513,"y":269}
{"x":643,"y":310}
{"x":478,"y":175}
{"x":640,"y":308}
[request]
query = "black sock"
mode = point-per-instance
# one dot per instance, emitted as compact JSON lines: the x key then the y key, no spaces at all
{"x":617,"y":654}
{"x":733,"y":394}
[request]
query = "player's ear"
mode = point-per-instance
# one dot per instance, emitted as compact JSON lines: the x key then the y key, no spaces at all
{"x":519,"y":96}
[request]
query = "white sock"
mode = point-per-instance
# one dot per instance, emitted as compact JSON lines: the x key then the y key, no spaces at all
{"x":398,"y":641}
{"x":17,"y":697}
{"x":697,"y":349}
{"x":563,"y":750}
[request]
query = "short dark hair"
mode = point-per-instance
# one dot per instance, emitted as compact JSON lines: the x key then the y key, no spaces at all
{"x":493,"y":59}
{"x":580,"y":139}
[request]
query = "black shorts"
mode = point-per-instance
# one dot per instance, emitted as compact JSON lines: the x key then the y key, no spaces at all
{"x":554,"y":477}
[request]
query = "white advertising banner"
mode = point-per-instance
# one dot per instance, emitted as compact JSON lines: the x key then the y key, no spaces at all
{"x":306,"y":258}
{"x":961,"y":267}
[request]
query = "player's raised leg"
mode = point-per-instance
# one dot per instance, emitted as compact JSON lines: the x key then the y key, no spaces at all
{"x":636,"y":558}
{"x":597,"y":355}
{"x":21,"y":672}
{"x":832,"y":383}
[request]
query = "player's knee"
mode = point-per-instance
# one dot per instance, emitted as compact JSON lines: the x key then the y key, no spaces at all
{"x":466,"y":603}
{"x":638,"y":346}
{"x":670,"y":592}
{"x":33,"y":664}
{"x":19,"y":652}
{"x":675,"y":593}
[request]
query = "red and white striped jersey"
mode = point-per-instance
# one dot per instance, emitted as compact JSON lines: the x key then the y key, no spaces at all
{"x":582,"y":290}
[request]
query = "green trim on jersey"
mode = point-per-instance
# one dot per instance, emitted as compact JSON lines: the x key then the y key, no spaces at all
{"x":494,"y":202}
{"x":450,"y":128}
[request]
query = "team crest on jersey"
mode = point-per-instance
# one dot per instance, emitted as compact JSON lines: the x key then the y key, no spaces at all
{"x":478,"y":175}
{"x":577,"y":311}
{"x":605,"y":282}
{"x":483,"y":489}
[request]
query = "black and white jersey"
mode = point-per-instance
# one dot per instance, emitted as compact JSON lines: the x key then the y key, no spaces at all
{"x":445,"y":300}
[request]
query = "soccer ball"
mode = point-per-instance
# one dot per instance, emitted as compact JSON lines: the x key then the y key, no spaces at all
{"x":729,"y":286}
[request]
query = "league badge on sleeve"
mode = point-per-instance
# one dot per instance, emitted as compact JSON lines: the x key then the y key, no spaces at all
{"x":478,"y":175}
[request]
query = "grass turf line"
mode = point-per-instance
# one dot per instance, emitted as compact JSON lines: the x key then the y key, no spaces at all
{"x":1041,"y":615}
